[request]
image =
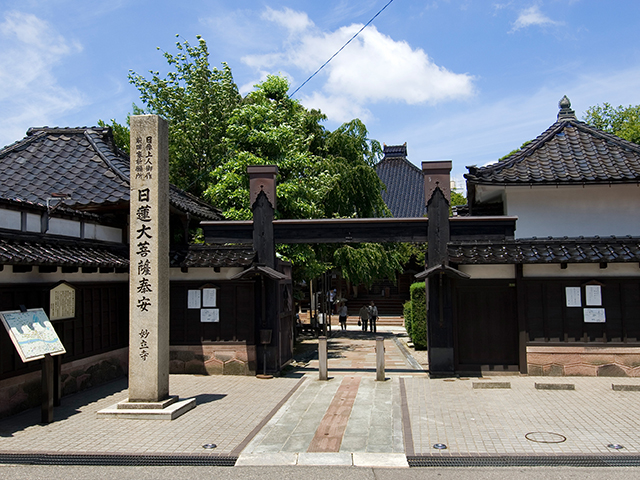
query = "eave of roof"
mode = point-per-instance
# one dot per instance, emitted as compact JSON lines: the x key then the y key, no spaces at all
{"x":568,"y":152}
{"x":21,"y":248}
{"x":547,"y":250}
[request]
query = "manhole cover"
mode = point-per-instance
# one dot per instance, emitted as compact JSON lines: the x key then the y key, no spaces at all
{"x":545,"y":437}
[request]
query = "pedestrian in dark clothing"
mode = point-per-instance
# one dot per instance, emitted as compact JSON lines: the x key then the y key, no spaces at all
{"x":364,"y":317}
{"x":373,"y":316}
{"x":342,"y":316}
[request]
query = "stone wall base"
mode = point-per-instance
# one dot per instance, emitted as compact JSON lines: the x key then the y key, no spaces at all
{"x":229,"y":358}
{"x":24,"y":391}
{"x":584,"y":361}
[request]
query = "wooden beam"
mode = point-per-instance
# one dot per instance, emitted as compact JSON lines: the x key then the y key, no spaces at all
{"x":357,"y":230}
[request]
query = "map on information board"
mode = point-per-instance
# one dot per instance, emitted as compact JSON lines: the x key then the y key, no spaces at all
{"x":32,"y":334}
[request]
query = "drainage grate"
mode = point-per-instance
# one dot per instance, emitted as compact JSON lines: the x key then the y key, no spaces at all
{"x":117,"y":460}
{"x":526,"y":461}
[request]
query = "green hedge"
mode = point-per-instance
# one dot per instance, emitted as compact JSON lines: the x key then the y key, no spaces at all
{"x":418,"y":332}
{"x":406,"y":313}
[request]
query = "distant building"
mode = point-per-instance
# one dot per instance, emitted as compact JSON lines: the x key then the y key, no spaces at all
{"x":404,"y":194}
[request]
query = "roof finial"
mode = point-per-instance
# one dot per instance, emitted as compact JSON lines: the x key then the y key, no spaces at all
{"x":565,"y":112}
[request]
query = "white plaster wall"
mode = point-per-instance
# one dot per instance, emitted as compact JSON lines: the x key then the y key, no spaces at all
{"x":196,"y":274}
{"x":108,"y":234}
{"x":575,"y":210}
{"x":90,"y":231}
{"x":7,"y":276}
{"x":204,"y":274}
{"x":489,"y":271}
{"x":33,"y":223}
{"x":10,"y":219}
{"x":62,"y":226}
{"x":582,"y":270}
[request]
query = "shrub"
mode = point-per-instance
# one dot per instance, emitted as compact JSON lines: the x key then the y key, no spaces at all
{"x":418,"y":316}
{"x":406,"y":313}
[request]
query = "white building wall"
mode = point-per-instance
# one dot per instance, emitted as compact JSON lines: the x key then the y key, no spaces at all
{"x":34,"y":222}
{"x":108,"y":234}
{"x":586,"y":270}
{"x":10,"y":219}
{"x":489,"y":271}
{"x":194,"y":274}
{"x":61,"y":226}
{"x":575,"y":210}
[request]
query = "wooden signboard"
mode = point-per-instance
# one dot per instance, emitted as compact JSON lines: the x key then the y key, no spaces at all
{"x":32,"y":334}
{"x":63,"y":302}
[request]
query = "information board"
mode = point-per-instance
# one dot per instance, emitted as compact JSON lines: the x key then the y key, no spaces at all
{"x":32,"y":334}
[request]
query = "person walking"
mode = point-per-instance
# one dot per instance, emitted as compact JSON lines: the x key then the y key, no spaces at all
{"x":342,"y":316}
{"x":373,"y":316}
{"x":364,"y":317}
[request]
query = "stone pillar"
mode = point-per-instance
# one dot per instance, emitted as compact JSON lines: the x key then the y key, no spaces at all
{"x":149,"y":260}
{"x":149,"y":278}
{"x":323,"y":370}
{"x":380,"y":359}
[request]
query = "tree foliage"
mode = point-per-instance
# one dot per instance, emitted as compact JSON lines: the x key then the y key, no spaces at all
{"x":215,"y":134}
{"x":198,"y":101}
{"x":623,"y":122}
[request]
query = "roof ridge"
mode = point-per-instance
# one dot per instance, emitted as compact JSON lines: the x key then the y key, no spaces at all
{"x":607,"y":136}
{"x":22,"y":143}
{"x":403,"y":158}
{"x":70,"y":130}
{"x":528,"y":149}
{"x":110,"y":164}
{"x":192,"y":197}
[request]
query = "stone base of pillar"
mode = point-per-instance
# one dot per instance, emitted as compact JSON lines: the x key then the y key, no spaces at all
{"x":168,"y":409}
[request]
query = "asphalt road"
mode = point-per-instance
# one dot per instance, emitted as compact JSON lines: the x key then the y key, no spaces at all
{"x":29,"y":472}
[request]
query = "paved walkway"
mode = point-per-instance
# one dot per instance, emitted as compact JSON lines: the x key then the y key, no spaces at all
{"x":351,"y":419}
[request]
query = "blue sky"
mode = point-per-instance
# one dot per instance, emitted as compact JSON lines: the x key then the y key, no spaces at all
{"x":462,"y":80}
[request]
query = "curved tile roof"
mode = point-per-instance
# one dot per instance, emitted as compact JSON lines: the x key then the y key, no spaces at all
{"x":570,"y":151}
{"x":547,"y":250}
{"x":25,"y":249}
{"x":404,"y":181}
{"x":82,"y":163}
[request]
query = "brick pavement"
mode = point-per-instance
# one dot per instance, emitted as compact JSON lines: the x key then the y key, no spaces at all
{"x":274,"y":421}
{"x":495,"y":421}
{"x":228,"y":409}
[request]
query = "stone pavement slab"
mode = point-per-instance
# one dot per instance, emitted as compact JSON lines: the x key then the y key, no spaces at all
{"x":374,"y":419}
{"x":273,"y":422}
{"x":522,"y":420}
{"x":229,"y":409}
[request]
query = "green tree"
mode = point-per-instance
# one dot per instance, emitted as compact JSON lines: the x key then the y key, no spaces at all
{"x":321,"y":174}
{"x":623,"y":122}
{"x":197,"y":101}
{"x":214,"y":134}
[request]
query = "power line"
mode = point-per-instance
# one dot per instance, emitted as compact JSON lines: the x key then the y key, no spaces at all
{"x":341,"y":48}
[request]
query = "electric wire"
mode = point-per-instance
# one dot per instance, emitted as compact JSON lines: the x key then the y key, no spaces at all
{"x":341,"y":48}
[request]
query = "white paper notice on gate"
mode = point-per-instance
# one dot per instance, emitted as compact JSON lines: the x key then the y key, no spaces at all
{"x":594,"y":315}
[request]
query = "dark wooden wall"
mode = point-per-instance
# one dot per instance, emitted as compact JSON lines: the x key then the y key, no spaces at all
{"x":549,"y":320}
{"x":237,"y":314}
{"x":101,"y":323}
{"x":486,"y":323}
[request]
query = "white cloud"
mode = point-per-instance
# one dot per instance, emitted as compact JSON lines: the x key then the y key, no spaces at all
{"x":290,"y":19}
{"x":30,"y":94}
{"x":532,"y":16}
{"x":372,"y":68}
{"x":339,"y":108}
